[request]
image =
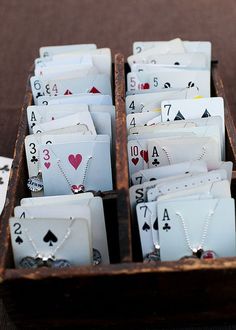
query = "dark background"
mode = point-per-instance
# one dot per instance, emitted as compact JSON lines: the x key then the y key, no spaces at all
{"x":26,"y":25}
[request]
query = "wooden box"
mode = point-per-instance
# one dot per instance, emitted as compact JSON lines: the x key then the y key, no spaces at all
{"x":125,"y":293}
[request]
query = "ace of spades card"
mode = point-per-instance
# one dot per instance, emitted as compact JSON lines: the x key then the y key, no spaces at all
{"x":48,"y":235}
{"x":68,"y":166}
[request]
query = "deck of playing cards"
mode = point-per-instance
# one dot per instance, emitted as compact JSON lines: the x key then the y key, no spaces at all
{"x":71,"y":124}
{"x":180,"y":183}
{"x":68,"y":152}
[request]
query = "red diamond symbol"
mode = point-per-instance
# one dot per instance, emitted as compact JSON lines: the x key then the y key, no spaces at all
{"x":67,"y":92}
{"x":94,"y":90}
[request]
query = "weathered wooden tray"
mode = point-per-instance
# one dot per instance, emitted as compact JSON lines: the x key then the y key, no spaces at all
{"x":125,"y":293}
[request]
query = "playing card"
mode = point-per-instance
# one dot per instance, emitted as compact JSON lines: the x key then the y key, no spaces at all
{"x":138,"y":193}
{"x":74,"y":164}
{"x":71,"y":137}
{"x":101,"y":59}
{"x":90,"y":208}
{"x":49,"y":51}
{"x":33,"y":141}
{"x":39,"y":88}
{"x":136,"y":102}
{"x":84,"y":98}
{"x":155,"y":173}
{"x":48,"y":237}
{"x":150,"y":130}
{"x":186,"y":225}
{"x":62,"y":71}
{"x":148,"y":228}
{"x":161,"y":47}
{"x":52,"y":211}
{"x":219,"y":189}
{"x":99,"y":238}
{"x":189,"y":47}
{"x":140,"y":119}
{"x":89,"y":84}
{"x":138,"y":148}
{"x":183,"y":60}
{"x":81,"y":118}
{"x":172,"y":151}
{"x":199,"y":47}
{"x":39,"y":114}
{"x":190,"y":109}
{"x":170,"y":78}
{"x":65,"y":199}
{"x":5,"y":167}
{"x":185,"y":183}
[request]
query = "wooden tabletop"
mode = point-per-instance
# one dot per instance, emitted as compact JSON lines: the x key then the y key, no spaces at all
{"x":29,"y":24}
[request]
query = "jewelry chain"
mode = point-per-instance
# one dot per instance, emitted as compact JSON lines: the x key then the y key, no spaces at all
{"x":63,"y":171}
{"x":205,"y":229}
{"x":169,"y":158}
{"x":68,"y":232}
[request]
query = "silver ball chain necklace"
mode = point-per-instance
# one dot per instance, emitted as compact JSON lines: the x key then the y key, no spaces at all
{"x":46,"y":261}
{"x":199,"y":252}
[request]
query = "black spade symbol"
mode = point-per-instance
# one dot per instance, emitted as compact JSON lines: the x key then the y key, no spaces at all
{"x":50,"y":237}
{"x":206,"y":114}
{"x":146,"y":227}
{"x":155,"y":225}
{"x":179,"y":116}
{"x":19,"y":240}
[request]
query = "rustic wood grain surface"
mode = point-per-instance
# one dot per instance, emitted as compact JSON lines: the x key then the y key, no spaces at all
{"x":26,"y":25}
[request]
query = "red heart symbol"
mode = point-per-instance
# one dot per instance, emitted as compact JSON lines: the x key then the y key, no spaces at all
{"x":135,"y":160}
{"x":75,"y":160}
{"x":144,"y":155}
{"x":47,"y":165}
{"x":144,"y":86}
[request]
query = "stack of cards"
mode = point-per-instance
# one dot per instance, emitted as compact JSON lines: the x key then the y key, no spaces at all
{"x":5,"y":166}
{"x":68,"y":152}
{"x":59,"y":231}
{"x":71,"y":124}
{"x":180,"y":194}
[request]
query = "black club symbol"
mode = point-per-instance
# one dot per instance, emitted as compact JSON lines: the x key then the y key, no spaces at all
{"x":38,"y":95}
{"x":155,"y":162}
{"x":33,"y":125}
{"x":34,"y":159}
{"x":166,"y":227}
